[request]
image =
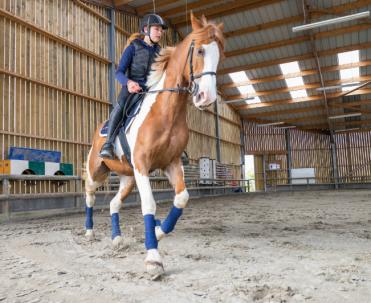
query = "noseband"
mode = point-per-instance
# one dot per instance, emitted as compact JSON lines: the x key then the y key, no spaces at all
{"x":192,"y":87}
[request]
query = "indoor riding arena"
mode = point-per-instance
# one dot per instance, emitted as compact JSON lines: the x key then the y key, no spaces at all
{"x":238,"y":169}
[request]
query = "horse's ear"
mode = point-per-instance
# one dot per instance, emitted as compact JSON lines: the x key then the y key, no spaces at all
{"x":203,"y":19}
{"x":221,"y":26}
{"x":196,"y":24}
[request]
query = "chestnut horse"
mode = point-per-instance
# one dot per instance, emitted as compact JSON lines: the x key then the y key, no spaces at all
{"x":159,"y":134}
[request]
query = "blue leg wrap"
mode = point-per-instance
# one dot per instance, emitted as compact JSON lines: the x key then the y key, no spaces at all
{"x":173,"y":216}
{"x":158,"y":222}
{"x":149,"y":231}
{"x":89,"y":218}
{"x":115,"y":225}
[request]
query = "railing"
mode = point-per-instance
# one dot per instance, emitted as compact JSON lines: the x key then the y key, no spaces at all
{"x":45,"y":189}
{"x":21,"y":188}
{"x":274,"y":184}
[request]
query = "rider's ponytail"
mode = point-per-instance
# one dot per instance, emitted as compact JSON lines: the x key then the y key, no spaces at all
{"x":133,"y":37}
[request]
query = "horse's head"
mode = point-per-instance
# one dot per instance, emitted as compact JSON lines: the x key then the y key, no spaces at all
{"x":208,"y":50}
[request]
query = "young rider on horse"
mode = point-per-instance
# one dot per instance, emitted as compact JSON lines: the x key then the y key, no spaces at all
{"x":132,"y":72}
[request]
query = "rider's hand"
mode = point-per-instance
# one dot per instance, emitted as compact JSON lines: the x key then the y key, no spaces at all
{"x":133,"y":87}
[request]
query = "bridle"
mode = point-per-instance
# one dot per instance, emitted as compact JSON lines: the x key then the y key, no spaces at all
{"x":192,"y":87}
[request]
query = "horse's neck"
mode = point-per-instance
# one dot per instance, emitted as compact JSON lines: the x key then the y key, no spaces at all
{"x":174,"y":105}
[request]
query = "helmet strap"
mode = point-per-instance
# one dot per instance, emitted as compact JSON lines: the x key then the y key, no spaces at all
{"x":149,"y":34}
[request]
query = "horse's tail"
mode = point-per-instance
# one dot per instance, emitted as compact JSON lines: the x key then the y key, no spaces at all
{"x":133,"y":37}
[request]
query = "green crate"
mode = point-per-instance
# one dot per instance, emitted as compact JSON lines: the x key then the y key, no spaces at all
{"x":67,"y":169}
{"x":37,"y":167}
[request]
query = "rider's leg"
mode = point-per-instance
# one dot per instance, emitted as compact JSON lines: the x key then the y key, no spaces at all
{"x":114,"y":124}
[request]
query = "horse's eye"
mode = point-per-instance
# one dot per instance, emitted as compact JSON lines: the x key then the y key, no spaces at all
{"x":200,"y":52}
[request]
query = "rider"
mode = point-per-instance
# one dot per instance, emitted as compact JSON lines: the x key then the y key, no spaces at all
{"x":132,"y":72}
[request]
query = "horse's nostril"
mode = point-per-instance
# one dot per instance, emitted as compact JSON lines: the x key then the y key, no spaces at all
{"x":200,"y":96}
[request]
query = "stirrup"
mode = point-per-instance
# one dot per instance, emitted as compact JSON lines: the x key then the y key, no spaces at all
{"x":107,"y":151}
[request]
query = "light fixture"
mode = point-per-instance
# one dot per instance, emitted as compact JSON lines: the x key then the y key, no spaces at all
{"x":287,"y":127}
{"x":270,"y":124}
{"x":336,"y":86}
{"x":331,"y":21}
{"x":346,"y":129}
{"x":345,"y":116}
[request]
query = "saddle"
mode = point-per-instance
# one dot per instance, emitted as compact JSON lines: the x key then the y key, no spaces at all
{"x":131,"y":109}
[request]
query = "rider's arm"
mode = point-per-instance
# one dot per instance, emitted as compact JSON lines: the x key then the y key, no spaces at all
{"x":124,"y":64}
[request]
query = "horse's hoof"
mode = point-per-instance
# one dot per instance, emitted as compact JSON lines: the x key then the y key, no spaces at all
{"x":154,"y":269}
{"x":90,"y":235}
{"x":118,"y":243}
{"x":159,"y":233}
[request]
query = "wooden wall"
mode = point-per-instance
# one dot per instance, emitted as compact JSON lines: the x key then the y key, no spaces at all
{"x":354,"y":155}
{"x":310,"y":149}
{"x":54,"y":71}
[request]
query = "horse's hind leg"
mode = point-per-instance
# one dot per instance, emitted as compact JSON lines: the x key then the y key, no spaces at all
{"x":97,"y":172}
{"x":126,"y":185}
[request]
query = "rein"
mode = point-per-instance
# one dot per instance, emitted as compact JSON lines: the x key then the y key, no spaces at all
{"x":193,"y":87}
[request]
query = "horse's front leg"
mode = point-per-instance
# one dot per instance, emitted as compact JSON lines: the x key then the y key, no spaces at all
{"x":175,"y":174}
{"x":153,"y":260}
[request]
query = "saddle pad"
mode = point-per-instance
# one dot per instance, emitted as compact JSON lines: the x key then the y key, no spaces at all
{"x":134,"y":104}
{"x":103,"y":131}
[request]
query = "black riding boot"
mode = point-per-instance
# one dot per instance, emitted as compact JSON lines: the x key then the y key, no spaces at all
{"x":113,"y":127}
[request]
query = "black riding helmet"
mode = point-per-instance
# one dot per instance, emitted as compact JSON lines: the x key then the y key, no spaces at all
{"x":150,"y":20}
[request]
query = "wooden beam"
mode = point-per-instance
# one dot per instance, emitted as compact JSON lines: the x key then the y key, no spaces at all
{"x":92,"y":11}
{"x":352,"y":107}
{"x":294,"y":88}
{"x":294,"y":75}
{"x":291,"y":120}
{"x":298,"y":100}
{"x":102,"y":3}
{"x":294,"y":58}
{"x":355,"y":103}
{"x":226,"y":9}
{"x":275,"y":113}
{"x":343,"y":123}
{"x":259,"y":121}
{"x":286,"y":21}
{"x":148,"y":7}
{"x":263,"y":26}
{"x":53,"y":37}
{"x":341,"y":8}
{"x":191,"y":6}
{"x":119,"y":3}
{"x":52,"y":86}
{"x":335,"y":32}
{"x":284,"y":112}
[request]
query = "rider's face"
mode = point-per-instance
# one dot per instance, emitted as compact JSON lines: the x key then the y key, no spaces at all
{"x":156,"y":33}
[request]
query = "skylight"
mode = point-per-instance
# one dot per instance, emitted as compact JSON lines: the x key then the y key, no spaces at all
{"x":289,"y":68}
{"x":245,"y":89}
{"x":346,"y":58}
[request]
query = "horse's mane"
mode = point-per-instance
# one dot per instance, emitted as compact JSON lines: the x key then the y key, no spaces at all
{"x":209,"y":31}
{"x":159,"y":66}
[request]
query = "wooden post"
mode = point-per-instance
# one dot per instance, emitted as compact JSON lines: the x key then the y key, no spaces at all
{"x":217,"y":132}
{"x":242,"y":138}
{"x":112,"y":55}
{"x":6,"y":205}
{"x":288,"y":149}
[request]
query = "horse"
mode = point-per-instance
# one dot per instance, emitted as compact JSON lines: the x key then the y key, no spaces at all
{"x":158,"y":135}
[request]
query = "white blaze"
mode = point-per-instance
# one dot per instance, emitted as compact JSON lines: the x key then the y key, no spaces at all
{"x":207,"y":91}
